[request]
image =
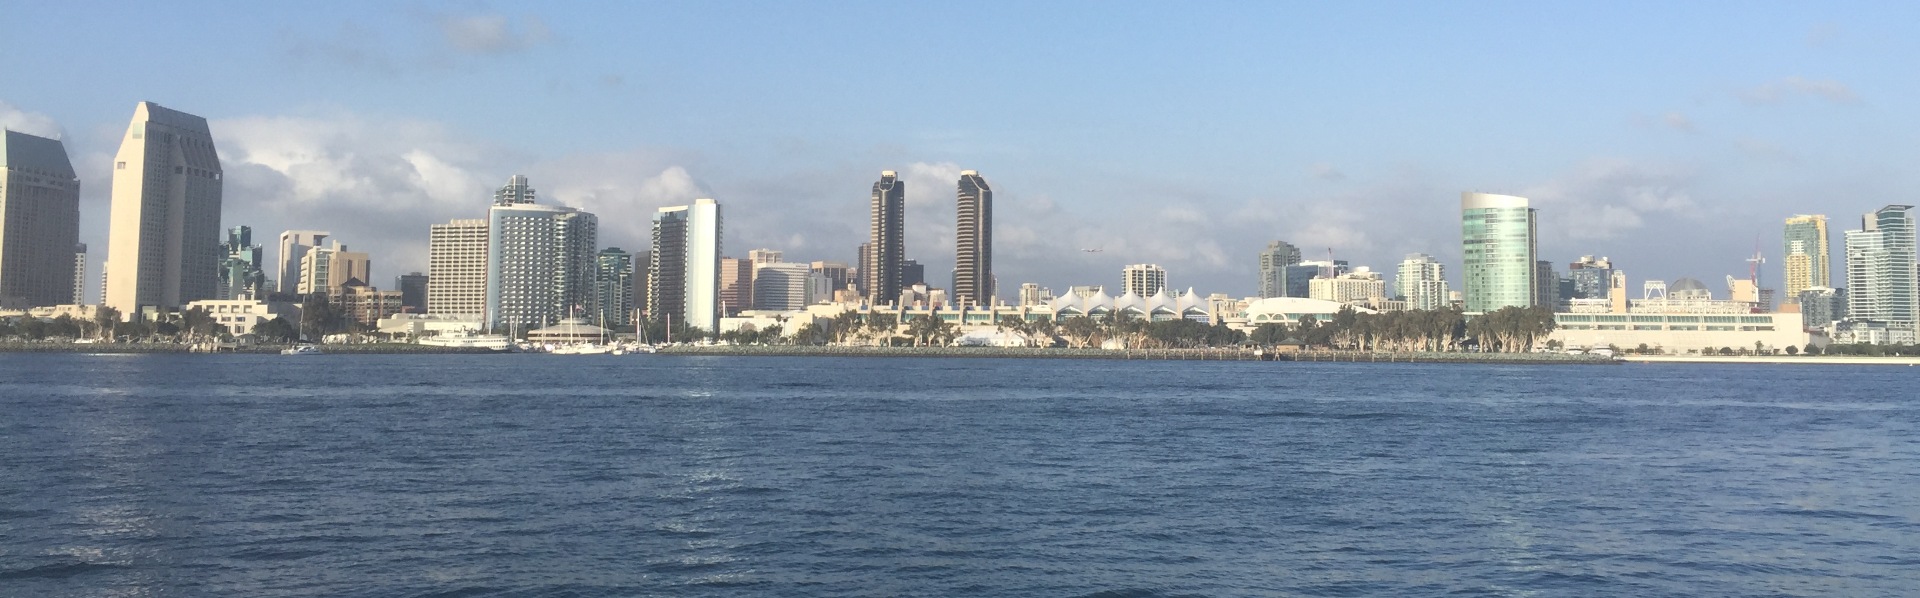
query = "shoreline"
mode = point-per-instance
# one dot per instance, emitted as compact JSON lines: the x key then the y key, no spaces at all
{"x":174,"y":348}
{"x":1135,"y":354}
{"x":1774,"y":359}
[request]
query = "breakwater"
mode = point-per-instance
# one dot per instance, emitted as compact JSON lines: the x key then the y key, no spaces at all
{"x":1233,"y":354}
{"x":136,"y":348}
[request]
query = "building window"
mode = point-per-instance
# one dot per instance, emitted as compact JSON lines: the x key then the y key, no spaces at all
{"x":120,"y":166}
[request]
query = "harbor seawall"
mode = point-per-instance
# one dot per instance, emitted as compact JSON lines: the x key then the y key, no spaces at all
{"x":1128,"y":354}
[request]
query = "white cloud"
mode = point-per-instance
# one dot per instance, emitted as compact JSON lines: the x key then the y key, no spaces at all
{"x":492,"y":33}
{"x":377,"y":185}
{"x":1606,"y":198}
{"x":32,"y":123}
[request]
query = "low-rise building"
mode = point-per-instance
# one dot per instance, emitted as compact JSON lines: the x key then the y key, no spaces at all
{"x":1360,"y":284}
{"x":419,"y":325}
{"x":1680,"y":333}
{"x":239,"y":316}
{"x":367,"y":305}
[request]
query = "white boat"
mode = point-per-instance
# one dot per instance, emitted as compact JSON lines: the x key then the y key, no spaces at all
{"x":491,"y":342}
{"x":583,"y":349}
{"x":301,"y":350}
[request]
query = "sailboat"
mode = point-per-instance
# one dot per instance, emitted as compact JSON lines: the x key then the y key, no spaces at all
{"x":301,"y":347}
{"x":585,"y":348}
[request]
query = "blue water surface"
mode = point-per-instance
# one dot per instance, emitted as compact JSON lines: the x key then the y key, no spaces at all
{"x":535,"y":475}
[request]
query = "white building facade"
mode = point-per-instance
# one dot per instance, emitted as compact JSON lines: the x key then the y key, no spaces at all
{"x":1880,"y":269}
{"x":164,"y":231}
{"x":1145,"y":280}
{"x":1422,"y":282}
{"x":540,"y":264}
{"x":457,"y":268}
{"x":685,"y":280}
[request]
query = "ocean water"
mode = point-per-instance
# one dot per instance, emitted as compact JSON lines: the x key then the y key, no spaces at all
{"x":528,"y":475}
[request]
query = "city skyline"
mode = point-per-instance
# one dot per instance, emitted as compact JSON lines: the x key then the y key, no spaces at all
{"x":1674,"y":176}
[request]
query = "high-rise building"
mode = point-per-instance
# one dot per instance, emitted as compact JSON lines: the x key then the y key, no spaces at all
{"x":613,"y":287}
{"x":1590,"y":277}
{"x":1498,"y":241}
{"x":326,"y":269}
{"x":973,"y":238}
{"x":736,"y":285}
{"x":164,"y":232}
{"x":1546,"y":286}
{"x":1273,"y":268}
{"x":781,"y":286}
{"x":765,"y":256}
{"x":517,"y":191}
{"x":39,"y":221}
{"x":887,"y":234}
{"x":413,"y":292}
{"x":912,"y":273}
{"x":457,"y":268}
{"x":79,"y":273}
{"x":642,"y":280}
{"x":540,"y":260}
{"x":836,"y":273}
{"x":685,"y":277}
{"x":1032,"y":294}
{"x":240,"y":273}
{"x":862,"y":256}
{"x":820,"y":288}
{"x":1143,"y":279}
{"x":294,"y":245}
{"x":1880,"y":268}
{"x":1819,"y":307}
{"x":1806,"y":260}
{"x":1422,"y":281}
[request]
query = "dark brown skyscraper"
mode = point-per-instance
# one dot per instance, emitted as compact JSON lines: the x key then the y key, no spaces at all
{"x":973,"y":253}
{"x":881,"y":270}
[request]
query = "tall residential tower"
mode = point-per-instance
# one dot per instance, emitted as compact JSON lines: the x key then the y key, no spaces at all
{"x":164,"y":233}
{"x":540,"y":260}
{"x":1497,"y":234}
{"x":684,"y":282}
{"x":1880,"y":268}
{"x":456,"y":268}
{"x":1144,"y":280}
{"x":1273,"y":268}
{"x":1806,"y":260}
{"x":973,"y":236}
{"x":294,"y":245}
{"x":1422,"y":282}
{"x":886,"y":234}
{"x":39,"y":222}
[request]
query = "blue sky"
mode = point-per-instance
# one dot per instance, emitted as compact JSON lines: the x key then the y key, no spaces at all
{"x":1669,"y":137}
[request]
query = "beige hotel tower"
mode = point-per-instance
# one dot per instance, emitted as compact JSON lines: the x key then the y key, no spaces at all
{"x":164,"y":235}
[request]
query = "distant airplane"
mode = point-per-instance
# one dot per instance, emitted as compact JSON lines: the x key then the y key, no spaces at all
{"x":1096,"y":250}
